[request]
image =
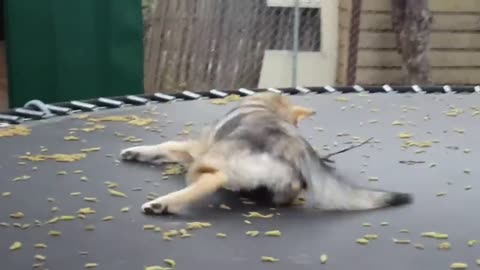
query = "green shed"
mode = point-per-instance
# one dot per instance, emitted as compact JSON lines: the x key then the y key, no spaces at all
{"x":60,"y":50}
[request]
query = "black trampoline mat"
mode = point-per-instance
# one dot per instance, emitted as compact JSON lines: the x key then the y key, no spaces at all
{"x":122,"y":243}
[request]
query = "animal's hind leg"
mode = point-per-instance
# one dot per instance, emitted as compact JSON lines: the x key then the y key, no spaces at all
{"x":170,"y":151}
{"x":205,"y":184}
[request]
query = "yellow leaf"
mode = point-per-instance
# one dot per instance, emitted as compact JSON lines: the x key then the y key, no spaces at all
{"x":40,"y":245}
{"x":170,"y":262}
{"x":14,"y":131}
{"x":88,"y":150}
{"x":269,"y":259}
{"x":86,"y":211}
{"x":362,"y":241}
{"x":54,"y":233}
{"x":71,"y":138}
{"x":198,"y":225}
{"x":17,"y":215}
{"x":55,"y":157}
{"x":257,"y":215}
{"x":405,"y":135}
{"x":398,"y":123}
{"x":341,"y":99}
{"x":401,"y":241}
{"x":252,"y":233}
{"x":116,"y":193}
{"x":371,"y":236}
{"x":459,"y":265}
{"x":273,"y":233}
{"x":444,"y":246}
{"x":221,"y":235}
{"x":454,"y":112}
{"x":323,"y":259}
{"x":16,"y":246}
{"x":225,"y":100}
{"x":39,"y":257}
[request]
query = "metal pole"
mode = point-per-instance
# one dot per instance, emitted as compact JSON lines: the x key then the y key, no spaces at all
{"x":296,"y":26}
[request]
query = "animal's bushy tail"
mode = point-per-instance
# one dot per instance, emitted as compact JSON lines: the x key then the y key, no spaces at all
{"x":332,"y":193}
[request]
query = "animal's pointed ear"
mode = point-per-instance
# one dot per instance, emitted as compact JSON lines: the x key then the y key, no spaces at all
{"x":300,"y":113}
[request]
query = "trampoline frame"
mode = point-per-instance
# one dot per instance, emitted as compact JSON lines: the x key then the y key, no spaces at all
{"x":38,"y":111}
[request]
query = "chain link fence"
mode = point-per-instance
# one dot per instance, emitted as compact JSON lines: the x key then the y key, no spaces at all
{"x":207,"y":44}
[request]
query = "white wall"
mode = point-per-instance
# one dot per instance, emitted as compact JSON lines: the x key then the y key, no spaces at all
{"x":314,"y":68}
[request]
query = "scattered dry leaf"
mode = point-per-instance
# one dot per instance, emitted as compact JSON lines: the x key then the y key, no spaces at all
{"x":323,"y":258}
{"x":225,"y":100}
{"x":21,"y":178}
{"x":93,"y":128}
{"x":221,"y":235}
{"x":170,"y":262}
{"x":371,"y":236}
{"x":86,"y":211}
{"x":273,"y":233}
{"x":454,"y":112}
{"x":435,"y":235}
{"x":129,"y":119}
{"x":55,"y":157}
{"x":459,"y":265}
{"x":257,"y":215}
{"x":116,"y":193}
{"x":15,"y":246}
{"x":39,"y":257}
{"x":89,"y":150}
{"x":11,"y":131}
{"x":401,"y":241}
{"x":252,"y":233}
{"x":17,"y":215}
{"x":405,"y":135}
{"x":269,"y":259}
{"x":471,"y":243}
{"x":71,"y":138}
{"x":444,"y":246}
{"x":197,"y":225}
{"x":40,"y":245}
{"x":174,"y":170}
{"x":54,"y":233}
{"x":362,"y":241}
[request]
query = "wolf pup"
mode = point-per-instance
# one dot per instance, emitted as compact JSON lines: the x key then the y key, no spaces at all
{"x":257,"y":145}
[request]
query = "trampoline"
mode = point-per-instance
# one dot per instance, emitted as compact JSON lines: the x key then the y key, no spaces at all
{"x":65,"y":215}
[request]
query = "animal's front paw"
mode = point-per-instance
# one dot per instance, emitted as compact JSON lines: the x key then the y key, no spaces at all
{"x":160,"y":206}
{"x":150,"y":208}
{"x":144,"y":153}
{"x":129,"y":154}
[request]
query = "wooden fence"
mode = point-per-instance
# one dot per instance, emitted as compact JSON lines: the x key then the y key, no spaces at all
{"x":455,"y":43}
{"x":205,"y":44}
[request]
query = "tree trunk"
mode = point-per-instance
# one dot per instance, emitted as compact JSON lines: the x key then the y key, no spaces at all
{"x":411,"y":20}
